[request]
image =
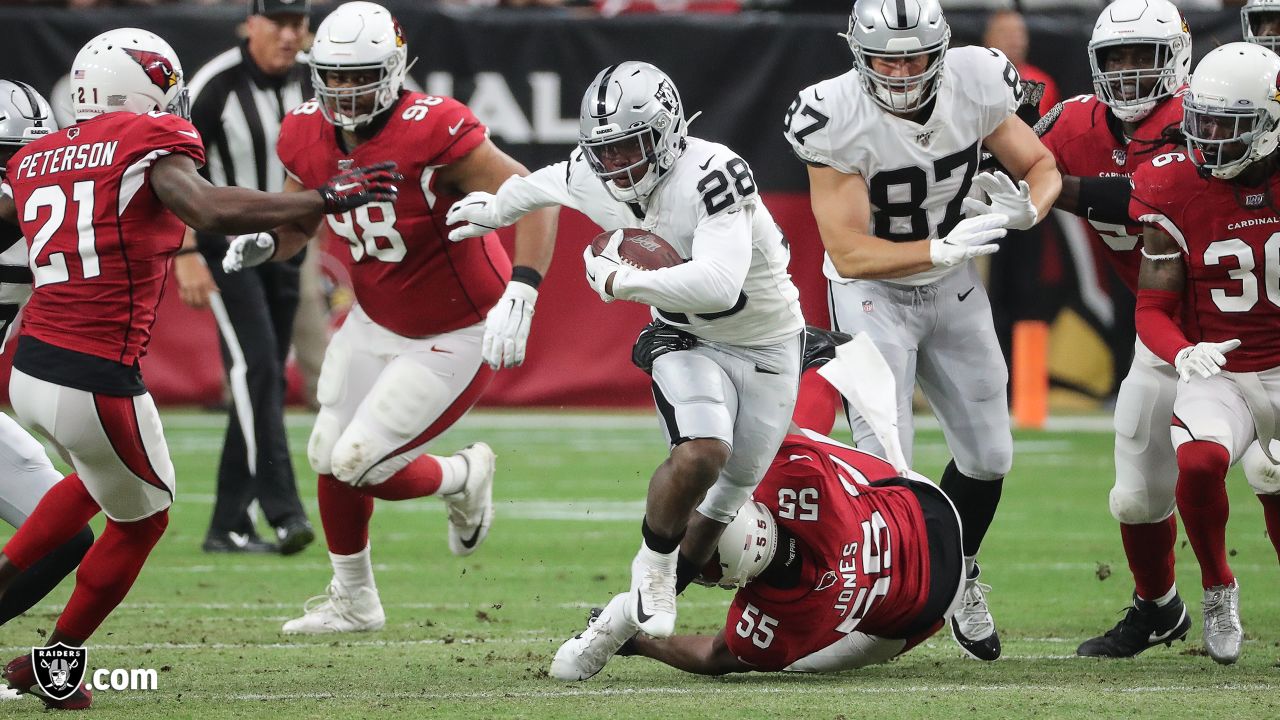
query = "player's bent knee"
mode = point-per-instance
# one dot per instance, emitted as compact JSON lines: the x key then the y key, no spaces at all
{"x":1263,"y":476}
{"x":356,"y":450}
{"x":1138,"y":507}
{"x":701,"y":458}
{"x":324,"y":436}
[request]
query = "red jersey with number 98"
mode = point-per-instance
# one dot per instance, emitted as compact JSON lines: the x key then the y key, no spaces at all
{"x":865,"y":553}
{"x":1230,"y":239}
{"x":100,"y":239}
{"x":407,"y":276}
{"x":1088,"y":141}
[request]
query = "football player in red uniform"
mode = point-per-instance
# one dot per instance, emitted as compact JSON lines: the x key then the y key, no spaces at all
{"x":1140,"y":54}
{"x":1211,"y":245}
{"x":104,"y":203}
{"x":411,"y":357}
{"x":843,"y":559}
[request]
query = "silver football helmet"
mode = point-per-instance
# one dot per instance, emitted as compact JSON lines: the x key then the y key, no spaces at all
{"x":631,"y":128}
{"x":24,"y":116}
{"x":894,"y":30}
{"x":1231,"y":112}
{"x":1153,"y":23}
{"x":1261,"y":16}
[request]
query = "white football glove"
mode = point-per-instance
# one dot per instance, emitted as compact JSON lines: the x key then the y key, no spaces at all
{"x":1005,"y":198}
{"x":506,"y":329}
{"x":479,"y":210}
{"x":1204,"y":359}
{"x":970,"y":238}
{"x":601,"y":267}
{"x":246,"y":251}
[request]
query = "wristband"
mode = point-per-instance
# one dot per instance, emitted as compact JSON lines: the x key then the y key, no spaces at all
{"x":526,"y":275}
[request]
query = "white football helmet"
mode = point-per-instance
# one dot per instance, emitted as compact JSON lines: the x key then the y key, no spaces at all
{"x":356,"y":37}
{"x":127,"y":69}
{"x":893,"y":29}
{"x":1156,"y":23}
{"x":747,"y":546}
{"x":632,"y":109}
{"x":1253,"y":14}
{"x":1231,"y":113}
{"x":24,"y":115}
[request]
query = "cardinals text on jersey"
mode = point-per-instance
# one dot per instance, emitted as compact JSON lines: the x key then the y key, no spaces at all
{"x":407,"y":276}
{"x":917,"y":173}
{"x":1230,"y":239}
{"x":1087,"y":141}
{"x":100,"y":238}
{"x":866,"y":562}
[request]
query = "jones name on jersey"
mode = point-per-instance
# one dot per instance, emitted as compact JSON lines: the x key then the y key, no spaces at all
{"x":917,"y":173}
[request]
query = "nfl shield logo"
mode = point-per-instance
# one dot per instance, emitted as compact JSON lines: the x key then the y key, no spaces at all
{"x":59,"y":669}
{"x":1119,"y":156}
{"x":1254,"y":200}
{"x":346,"y":164}
{"x":867,"y":306}
{"x":923,"y":138}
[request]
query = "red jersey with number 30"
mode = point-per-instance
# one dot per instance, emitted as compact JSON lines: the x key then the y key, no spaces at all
{"x":865,"y":552}
{"x":1230,"y":239}
{"x":100,"y":239}
{"x":407,"y":275}
{"x":1087,"y":141}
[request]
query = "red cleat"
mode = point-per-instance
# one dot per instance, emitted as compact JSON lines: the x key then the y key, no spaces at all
{"x":22,"y":677}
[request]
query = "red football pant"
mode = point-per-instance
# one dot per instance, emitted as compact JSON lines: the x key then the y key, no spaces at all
{"x":1149,"y":548}
{"x":1202,"y":502}
{"x":108,"y":571}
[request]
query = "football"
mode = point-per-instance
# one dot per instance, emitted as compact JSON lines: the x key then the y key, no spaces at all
{"x":640,"y":249}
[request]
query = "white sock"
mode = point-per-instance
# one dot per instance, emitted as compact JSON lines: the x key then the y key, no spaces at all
{"x":453,"y":471}
{"x":353,"y":571}
{"x":650,"y":556}
{"x":1166,"y":598}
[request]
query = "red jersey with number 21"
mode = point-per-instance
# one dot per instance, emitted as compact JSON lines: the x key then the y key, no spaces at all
{"x":100,"y":239}
{"x":865,"y":552}
{"x":408,"y":277}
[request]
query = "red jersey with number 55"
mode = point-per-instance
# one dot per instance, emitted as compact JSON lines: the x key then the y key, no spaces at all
{"x":1088,"y":141}
{"x":865,"y":553}
{"x":407,"y":275}
{"x":100,"y":239}
{"x":1230,"y":239}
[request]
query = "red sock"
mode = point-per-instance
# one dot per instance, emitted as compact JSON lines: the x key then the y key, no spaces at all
{"x":1271,"y":511}
{"x":420,"y":478}
{"x":344,"y":513}
{"x":1149,"y":548}
{"x":1202,"y":502}
{"x":817,"y":403}
{"x":61,"y":513}
{"x":108,"y":571}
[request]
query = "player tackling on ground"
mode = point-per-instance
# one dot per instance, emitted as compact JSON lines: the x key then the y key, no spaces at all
{"x":410,"y":357}
{"x":1210,"y":245}
{"x":104,"y":203}
{"x":726,"y":388}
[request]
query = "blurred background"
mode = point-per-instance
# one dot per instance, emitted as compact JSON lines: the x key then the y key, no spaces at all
{"x":522,"y":65}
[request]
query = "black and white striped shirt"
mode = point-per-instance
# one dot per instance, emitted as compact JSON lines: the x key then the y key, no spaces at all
{"x":238,"y":109}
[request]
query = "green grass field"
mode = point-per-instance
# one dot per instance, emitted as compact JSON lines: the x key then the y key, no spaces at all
{"x":473,"y":638}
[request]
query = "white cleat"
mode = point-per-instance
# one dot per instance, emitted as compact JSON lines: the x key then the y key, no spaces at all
{"x":1222,"y":631}
{"x":972,"y":626}
{"x":652,"y":600}
{"x":339,"y":610}
{"x":471,"y":509}
{"x":586,"y":653}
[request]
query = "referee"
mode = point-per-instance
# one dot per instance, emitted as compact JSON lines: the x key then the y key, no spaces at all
{"x":238,"y":101}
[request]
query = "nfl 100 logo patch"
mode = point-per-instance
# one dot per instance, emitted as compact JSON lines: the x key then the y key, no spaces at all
{"x":868,"y":306}
{"x":1254,"y":201}
{"x":1119,"y":156}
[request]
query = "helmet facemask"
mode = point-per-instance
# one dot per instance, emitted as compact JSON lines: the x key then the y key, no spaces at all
{"x":629,"y":163}
{"x":1261,"y":25}
{"x":905,"y":94}
{"x":1132,"y":93}
{"x":1226,"y":141}
{"x":349,"y":106}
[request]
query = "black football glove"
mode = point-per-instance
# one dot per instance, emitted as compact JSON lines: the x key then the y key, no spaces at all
{"x":658,"y":339}
{"x":820,"y":345}
{"x":359,"y":186}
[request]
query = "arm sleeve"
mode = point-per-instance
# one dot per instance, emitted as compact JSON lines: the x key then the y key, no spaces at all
{"x":547,"y":187}
{"x":1156,"y":327}
{"x":710,"y":282}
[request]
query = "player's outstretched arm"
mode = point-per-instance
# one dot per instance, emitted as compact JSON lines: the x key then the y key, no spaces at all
{"x":235,"y":210}
{"x":1161,"y":279}
{"x":1020,"y":151}
{"x":701,"y":654}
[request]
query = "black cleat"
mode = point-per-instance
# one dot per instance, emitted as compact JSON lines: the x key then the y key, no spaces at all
{"x":295,"y":534}
{"x":234,"y":542}
{"x":1143,"y":626}
{"x":820,"y":345}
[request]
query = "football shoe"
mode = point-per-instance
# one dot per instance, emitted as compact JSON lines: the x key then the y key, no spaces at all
{"x":471,"y":509}
{"x":1143,"y":626}
{"x":1222,"y":631}
{"x":972,"y":625}
{"x":340,"y":609}
{"x":652,"y":600}
{"x":585,"y":654}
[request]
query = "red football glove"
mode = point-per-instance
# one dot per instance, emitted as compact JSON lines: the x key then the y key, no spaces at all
{"x":361,"y":185}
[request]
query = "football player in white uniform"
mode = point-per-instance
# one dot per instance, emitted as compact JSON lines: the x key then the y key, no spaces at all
{"x":25,"y":471}
{"x":725,"y":346}
{"x":893,"y":148}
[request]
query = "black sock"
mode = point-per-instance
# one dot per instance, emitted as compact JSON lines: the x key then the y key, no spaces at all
{"x":44,"y":575}
{"x":686,"y":571}
{"x":975,"y":500}
{"x":656,"y":542}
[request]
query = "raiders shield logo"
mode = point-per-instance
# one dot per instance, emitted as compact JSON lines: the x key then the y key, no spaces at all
{"x":59,"y":669}
{"x":157,"y":67}
{"x":666,"y":95}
